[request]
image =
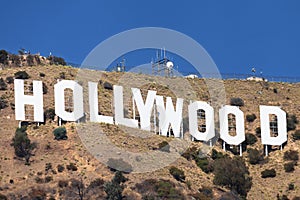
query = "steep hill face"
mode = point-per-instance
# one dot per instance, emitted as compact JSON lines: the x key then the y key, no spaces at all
{"x":56,"y":164}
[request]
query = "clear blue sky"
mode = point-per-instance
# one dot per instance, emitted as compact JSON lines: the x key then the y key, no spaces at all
{"x":237,"y":34}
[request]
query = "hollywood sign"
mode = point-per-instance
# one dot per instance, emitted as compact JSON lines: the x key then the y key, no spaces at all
{"x":167,"y":114}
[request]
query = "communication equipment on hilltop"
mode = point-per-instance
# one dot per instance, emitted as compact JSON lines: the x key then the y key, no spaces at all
{"x":253,"y":70}
{"x":162,"y":65}
{"x":120,"y":66}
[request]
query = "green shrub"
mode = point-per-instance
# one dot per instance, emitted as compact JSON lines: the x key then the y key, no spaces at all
{"x":3,"y":56}
{"x":119,"y":178}
{"x":60,"y":133}
{"x":42,"y":74}
{"x":9,"y":79}
{"x":108,"y":86}
{"x":39,"y":180}
{"x":48,"y":179}
{"x":62,"y":75}
{"x":258,"y":132}
{"x":114,"y":189}
{"x":191,"y":153}
{"x":250,"y":139}
{"x":60,"y":168}
{"x":216,"y":155}
{"x":166,"y":190}
{"x":178,"y":174}
{"x":21,"y":75}
{"x":98,"y":182}
{"x":204,"y":164}
{"x":296,"y":135}
{"x":236,"y":102}
{"x":62,"y":183}
{"x":291,"y":186}
{"x":48,"y":167}
{"x":232,"y":173}
{"x":283,"y":197}
{"x":23,"y":128}
{"x":3,"y":85}
{"x":268,"y":173}
{"x":3,"y":102}
{"x":289,"y":167}
{"x":291,"y":155}
{"x":255,"y":156}
{"x":158,"y":189}
{"x":56,"y":60}
{"x":250,"y":118}
{"x":205,"y":193}
{"x":291,"y":122}
{"x":22,"y":145}
{"x":71,"y":167}
{"x":45,"y":88}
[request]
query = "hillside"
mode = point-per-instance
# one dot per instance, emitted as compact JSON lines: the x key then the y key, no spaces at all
{"x":43,"y":180}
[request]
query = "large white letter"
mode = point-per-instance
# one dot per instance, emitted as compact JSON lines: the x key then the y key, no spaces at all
{"x":119,"y":109}
{"x":93,"y":103}
{"x":209,"y":121}
{"x":239,"y":123}
{"x":36,"y":100}
{"x":144,"y":108}
{"x":169,"y":116}
{"x":266,"y":138}
{"x":59,"y":95}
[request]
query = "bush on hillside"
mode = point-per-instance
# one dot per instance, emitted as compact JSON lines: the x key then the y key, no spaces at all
{"x":236,"y":101}
{"x":22,"y":145}
{"x":60,"y":168}
{"x":250,"y":118}
{"x":178,"y":174}
{"x":42,"y":74}
{"x":54,"y":60}
{"x":250,"y":139}
{"x":3,"y":57}
{"x":296,"y":135}
{"x":3,"y":102}
{"x":255,"y":156}
{"x":216,"y":154}
{"x":289,"y":167}
{"x":71,"y":167}
{"x":3,"y":85}
{"x":268,"y":173}
{"x":9,"y":79}
{"x":291,"y":122}
{"x":291,"y":155}
{"x":234,"y":174}
{"x":114,"y":188}
{"x":258,"y":132}
{"x":204,"y":164}
{"x":60,"y":133}
{"x":21,"y":75}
